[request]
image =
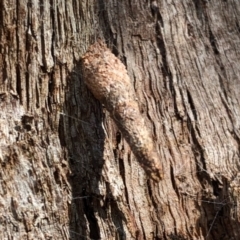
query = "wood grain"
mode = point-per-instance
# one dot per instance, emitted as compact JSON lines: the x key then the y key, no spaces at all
{"x":108,"y":80}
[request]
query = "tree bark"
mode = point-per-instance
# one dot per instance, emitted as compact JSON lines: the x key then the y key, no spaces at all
{"x":67,"y":171}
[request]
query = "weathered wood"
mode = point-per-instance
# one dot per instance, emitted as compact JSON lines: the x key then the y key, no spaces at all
{"x":109,"y":82}
{"x":66,"y":171}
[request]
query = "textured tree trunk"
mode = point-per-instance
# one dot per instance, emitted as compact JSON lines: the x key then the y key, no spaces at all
{"x":67,"y":171}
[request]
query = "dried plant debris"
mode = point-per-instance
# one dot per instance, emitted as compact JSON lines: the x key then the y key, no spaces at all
{"x":108,"y":80}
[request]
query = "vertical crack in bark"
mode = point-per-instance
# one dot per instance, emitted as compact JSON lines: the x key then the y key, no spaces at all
{"x":191,"y":103}
{"x":18,"y":77}
{"x":162,"y":48}
{"x":199,"y":153}
{"x":173,"y":181}
{"x":89,"y":211}
{"x":108,"y":80}
{"x":213,"y":42}
{"x":234,"y":132}
{"x":104,"y":22}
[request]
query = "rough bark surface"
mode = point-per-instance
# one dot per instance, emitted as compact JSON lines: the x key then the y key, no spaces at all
{"x":67,"y":173}
{"x":107,"y":78}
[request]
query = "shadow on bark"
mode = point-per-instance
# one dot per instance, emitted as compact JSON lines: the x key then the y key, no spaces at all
{"x":82,"y":135}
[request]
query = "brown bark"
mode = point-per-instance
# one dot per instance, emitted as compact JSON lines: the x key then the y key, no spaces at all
{"x":108,"y":80}
{"x":66,"y":171}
